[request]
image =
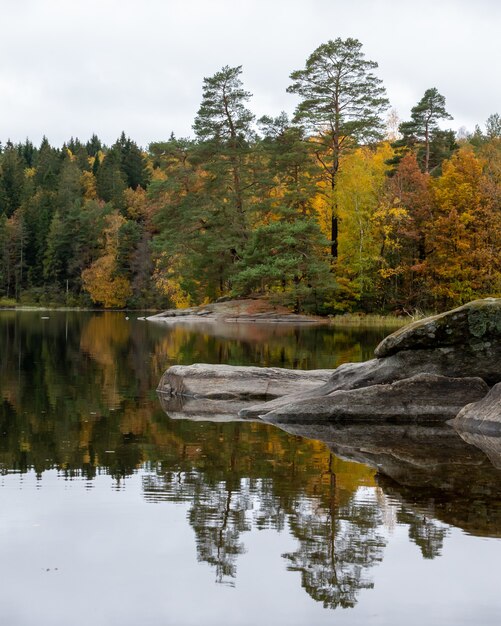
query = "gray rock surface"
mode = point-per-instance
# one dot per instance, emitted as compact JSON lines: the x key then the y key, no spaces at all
{"x":453,"y":361}
{"x":471,"y":325}
{"x":250,"y":310}
{"x":424,"y":398}
{"x":483,"y":416}
{"x":463,"y":343}
{"x":226,"y":382}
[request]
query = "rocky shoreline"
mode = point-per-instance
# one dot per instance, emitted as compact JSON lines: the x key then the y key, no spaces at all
{"x":426,"y":372}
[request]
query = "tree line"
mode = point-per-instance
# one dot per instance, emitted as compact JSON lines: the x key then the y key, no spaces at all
{"x":343,"y":207}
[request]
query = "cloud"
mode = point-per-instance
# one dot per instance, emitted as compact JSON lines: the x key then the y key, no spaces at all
{"x":74,"y":68}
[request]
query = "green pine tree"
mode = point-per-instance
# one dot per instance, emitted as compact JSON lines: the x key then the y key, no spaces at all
{"x":341,"y":105}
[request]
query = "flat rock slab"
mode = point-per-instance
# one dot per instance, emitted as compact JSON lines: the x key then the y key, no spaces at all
{"x":227,"y":382}
{"x":424,"y":398}
{"x":469,"y":325}
{"x":482,"y":417}
{"x":245,"y":310}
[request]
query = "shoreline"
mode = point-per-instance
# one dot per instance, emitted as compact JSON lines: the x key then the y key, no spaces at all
{"x":234,"y":312}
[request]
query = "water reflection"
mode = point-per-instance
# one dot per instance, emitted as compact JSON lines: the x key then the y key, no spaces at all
{"x":78,"y":397}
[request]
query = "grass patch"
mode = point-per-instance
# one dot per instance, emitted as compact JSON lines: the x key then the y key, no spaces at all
{"x":360,"y":319}
{"x":7,"y":303}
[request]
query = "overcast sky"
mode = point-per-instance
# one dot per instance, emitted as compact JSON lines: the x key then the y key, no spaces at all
{"x":75,"y":67}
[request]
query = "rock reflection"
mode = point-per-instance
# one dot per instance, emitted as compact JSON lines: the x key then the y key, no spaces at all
{"x":430,"y":471}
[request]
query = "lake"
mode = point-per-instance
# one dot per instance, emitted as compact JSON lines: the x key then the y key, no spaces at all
{"x":114,"y":513}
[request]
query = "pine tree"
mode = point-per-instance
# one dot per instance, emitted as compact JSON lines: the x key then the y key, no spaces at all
{"x":422,"y":132}
{"x":11,"y":180}
{"x":341,"y":106}
{"x":285,"y":253}
{"x":132,"y":163}
{"x":223,"y":127}
{"x":110,"y":181}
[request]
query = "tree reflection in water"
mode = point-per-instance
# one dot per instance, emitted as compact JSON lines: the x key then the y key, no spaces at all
{"x":77,"y":395}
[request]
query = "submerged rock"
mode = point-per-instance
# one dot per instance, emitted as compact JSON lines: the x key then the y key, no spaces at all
{"x":424,"y":398}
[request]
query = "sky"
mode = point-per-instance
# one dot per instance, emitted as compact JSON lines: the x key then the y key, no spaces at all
{"x":71,"y":68}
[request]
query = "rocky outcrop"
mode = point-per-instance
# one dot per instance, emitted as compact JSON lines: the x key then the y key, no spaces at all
{"x":248,"y":310}
{"x":453,"y":362}
{"x":424,"y":398}
{"x":476,"y":325}
{"x":464,"y":343}
{"x":482,"y":417}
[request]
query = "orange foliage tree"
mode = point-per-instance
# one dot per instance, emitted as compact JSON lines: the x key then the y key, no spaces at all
{"x":465,"y":235}
{"x":102,"y":280}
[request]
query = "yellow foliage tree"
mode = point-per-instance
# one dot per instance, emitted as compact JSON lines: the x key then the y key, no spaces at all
{"x":360,"y":183}
{"x":465,"y":234}
{"x":102,"y":280}
{"x":103,"y":284}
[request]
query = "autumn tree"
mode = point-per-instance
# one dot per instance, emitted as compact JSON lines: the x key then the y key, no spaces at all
{"x":465,"y":234}
{"x":179,"y":221}
{"x":341,"y":105}
{"x":358,"y":194}
{"x":403,"y":222}
{"x":103,"y":279}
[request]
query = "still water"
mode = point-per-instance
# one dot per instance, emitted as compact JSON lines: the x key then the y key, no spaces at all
{"x":114,"y":513}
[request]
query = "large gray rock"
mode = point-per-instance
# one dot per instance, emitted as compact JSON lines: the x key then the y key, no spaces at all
{"x":227,"y":382}
{"x":462,"y":343}
{"x":424,"y":398}
{"x":483,"y":416}
{"x":472,"y":325}
{"x":453,"y":361}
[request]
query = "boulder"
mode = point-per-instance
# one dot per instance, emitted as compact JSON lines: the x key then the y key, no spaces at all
{"x":228,"y":382}
{"x":463,"y":343}
{"x":473,"y":325}
{"x":423,"y":398}
{"x":482,"y":417}
{"x":453,"y":361}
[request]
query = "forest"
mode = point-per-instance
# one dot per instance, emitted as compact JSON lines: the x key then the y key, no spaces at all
{"x":343,"y":207}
